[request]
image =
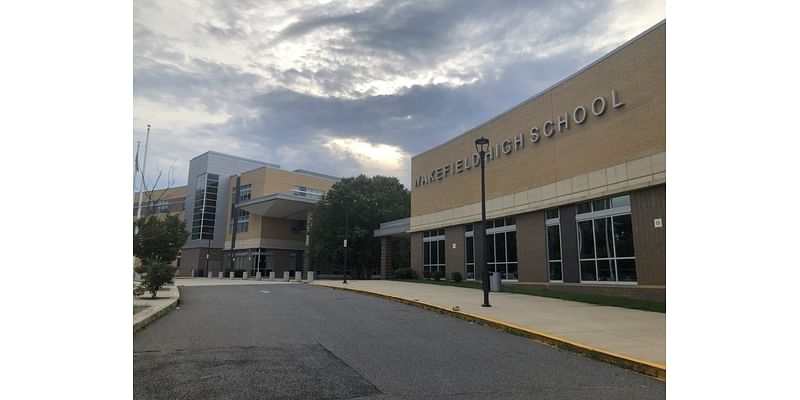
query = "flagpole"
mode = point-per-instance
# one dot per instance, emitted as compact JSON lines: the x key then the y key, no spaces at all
{"x":136,"y":169}
{"x":144,"y":164}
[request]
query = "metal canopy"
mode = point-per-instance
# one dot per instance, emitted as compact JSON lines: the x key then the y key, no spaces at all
{"x":279,"y":206}
{"x":396,"y":228}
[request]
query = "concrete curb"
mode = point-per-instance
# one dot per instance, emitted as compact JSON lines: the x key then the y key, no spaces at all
{"x":658,"y":371}
{"x":137,"y":326}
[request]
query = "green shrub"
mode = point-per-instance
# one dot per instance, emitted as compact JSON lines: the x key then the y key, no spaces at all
{"x":155,"y":274}
{"x":426,"y":275}
{"x":437,"y":275}
{"x":457,"y":277}
{"x":405,"y":273}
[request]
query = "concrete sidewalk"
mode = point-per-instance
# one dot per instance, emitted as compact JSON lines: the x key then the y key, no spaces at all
{"x":166,"y":300}
{"x":630,"y":338}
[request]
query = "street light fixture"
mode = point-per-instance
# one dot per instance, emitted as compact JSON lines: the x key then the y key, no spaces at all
{"x":346,"y":227}
{"x":481,"y":145}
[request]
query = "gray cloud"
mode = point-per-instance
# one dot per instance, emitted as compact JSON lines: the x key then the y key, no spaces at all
{"x":230,"y":76}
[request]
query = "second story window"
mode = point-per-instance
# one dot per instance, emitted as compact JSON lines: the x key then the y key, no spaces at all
{"x":303,"y":191}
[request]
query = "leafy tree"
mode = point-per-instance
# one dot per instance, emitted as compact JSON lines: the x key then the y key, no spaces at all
{"x":159,"y":238}
{"x":365,"y":203}
{"x":155,"y":274}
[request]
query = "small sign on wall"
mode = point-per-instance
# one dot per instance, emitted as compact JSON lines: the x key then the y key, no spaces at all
{"x":454,"y":245}
{"x":657,"y":223}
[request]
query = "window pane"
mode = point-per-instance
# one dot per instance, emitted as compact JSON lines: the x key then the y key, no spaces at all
{"x":500,"y":247}
{"x":602,"y":204}
{"x":490,"y":243}
{"x":551,"y":213}
{"x":626,"y":269}
{"x":623,"y":236}
{"x":605,"y":270}
{"x":553,"y":242}
{"x":511,"y":247}
{"x":512,"y":271}
{"x":441,"y":251}
{"x":621,"y":201}
{"x":555,"y":271}
{"x":427,"y":250}
{"x":583,"y":208}
{"x":585,"y":239}
{"x":499,"y":222}
{"x":511,"y":221}
{"x":588,"y":272}
{"x":470,"y":250}
{"x":602,"y":237}
{"x":469,"y":228}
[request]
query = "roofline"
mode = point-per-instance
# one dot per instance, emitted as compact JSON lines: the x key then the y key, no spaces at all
{"x":241,"y":158}
{"x":306,"y":173}
{"x":543,"y":92}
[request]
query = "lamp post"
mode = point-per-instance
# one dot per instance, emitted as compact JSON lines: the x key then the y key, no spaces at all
{"x":481,"y":145}
{"x":346,"y":226}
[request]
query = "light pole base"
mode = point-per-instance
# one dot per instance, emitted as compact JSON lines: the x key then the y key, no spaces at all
{"x":486,"y":305}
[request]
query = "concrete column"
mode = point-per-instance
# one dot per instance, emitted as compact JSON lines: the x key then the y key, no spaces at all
{"x":286,"y":276}
{"x":258,"y":275}
{"x":272,"y":275}
{"x":310,"y":276}
{"x":386,"y":257}
{"x":220,"y":274}
{"x":244,"y":275}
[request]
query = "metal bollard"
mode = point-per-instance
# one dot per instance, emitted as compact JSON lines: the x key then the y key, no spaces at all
{"x":244,"y":275}
{"x":220,"y":275}
{"x":210,"y":274}
{"x":310,"y":276}
{"x":286,"y":276}
{"x":258,"y":275}
{"x":272,"y":275}
{"x":231,"y":275}
{"x":298,"y":276}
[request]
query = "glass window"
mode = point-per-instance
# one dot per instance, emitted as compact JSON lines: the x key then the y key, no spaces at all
{"x":205,"y":206}
{"x":554,"y":243}
{"x":623,"y":235}
{"x":583,"y":208}
{"x":551,"y":213}
{"x":621,"y":201}
{"x":469,"y":227}
{"x":434,"y":248}
{"x":605,"y":243}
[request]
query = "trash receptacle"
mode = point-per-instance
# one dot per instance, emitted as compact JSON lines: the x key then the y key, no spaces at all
{"x":494,"y":282}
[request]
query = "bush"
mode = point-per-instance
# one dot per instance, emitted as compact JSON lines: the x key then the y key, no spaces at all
{"x":155,"y":274}
{"x":426,"y":275}
{"x":457,"y":277}
{"x":437,"y":275}
{"x":405,"y":273}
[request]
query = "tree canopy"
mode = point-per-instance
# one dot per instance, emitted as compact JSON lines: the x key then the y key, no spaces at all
{"x":159,"y":238}
{"x":365,"y":203}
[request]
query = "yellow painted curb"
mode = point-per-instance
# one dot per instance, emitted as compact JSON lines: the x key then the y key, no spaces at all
{"x":656,"y":370}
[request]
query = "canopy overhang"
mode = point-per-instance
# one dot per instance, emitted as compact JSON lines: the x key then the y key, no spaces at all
{"x":281,"y":206}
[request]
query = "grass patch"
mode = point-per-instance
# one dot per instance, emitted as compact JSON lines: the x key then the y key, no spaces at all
{"x":599,"y":299}
{"x":137,"y":308}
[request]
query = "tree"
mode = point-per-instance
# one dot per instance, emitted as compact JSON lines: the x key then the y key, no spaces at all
{"x":365,"y":203}
{"x":159,"y":238}
{"x":155,"y":274}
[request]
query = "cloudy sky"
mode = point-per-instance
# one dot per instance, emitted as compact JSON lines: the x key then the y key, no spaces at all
{"x":351,"y":87}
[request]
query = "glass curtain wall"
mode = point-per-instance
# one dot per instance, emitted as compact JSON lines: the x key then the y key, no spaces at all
{"x":605,"y":241}
{"x":205,"y":206}
{"x":501,"y":237}
{"x":433,"y":252}
{"x":553,"y":227}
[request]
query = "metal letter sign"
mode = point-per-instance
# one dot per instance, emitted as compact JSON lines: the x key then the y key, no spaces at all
{"x":505,"y":148}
